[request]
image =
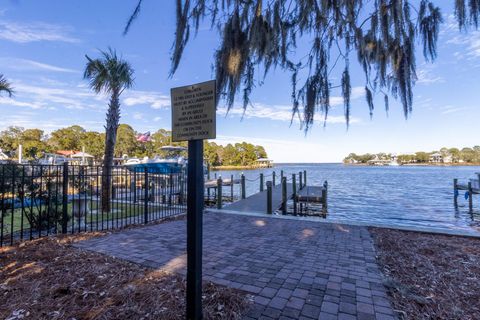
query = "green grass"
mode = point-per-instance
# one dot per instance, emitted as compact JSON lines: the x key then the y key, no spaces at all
{"x":118,"y":211}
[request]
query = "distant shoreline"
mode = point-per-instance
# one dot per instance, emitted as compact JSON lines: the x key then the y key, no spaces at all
{"x":219,"y":168}
{"x":417,"y":165}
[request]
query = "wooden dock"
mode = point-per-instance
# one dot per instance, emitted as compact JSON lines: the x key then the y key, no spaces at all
{"x":213,"y":183}
{"x":258,"y":202}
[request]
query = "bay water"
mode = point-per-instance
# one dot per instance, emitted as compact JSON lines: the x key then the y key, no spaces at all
{"x":395,"y":196}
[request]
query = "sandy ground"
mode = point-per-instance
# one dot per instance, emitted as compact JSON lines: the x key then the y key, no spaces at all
{"x":430,"y":276}
{"x":50,"y":279}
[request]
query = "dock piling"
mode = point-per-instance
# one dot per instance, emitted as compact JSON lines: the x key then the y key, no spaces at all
{"x":284,"y":195}
{"x":281,"y":175}
{"x":219,"y":192}
{"x":305,"y":177}
{"x":273,"y":178}
{"x":243,"y":186}
{"x":470,"y":197}
{"x":269,"y":197}
{"x":261,"y":182}
{"x":324,"y":197}
{"x":455,"y":192}
{"x":300,"y":180}
{"x":294,"y":188}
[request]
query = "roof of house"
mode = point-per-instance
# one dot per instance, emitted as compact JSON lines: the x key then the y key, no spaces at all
{"x":66,"y":152}
{"x":82,"y":155}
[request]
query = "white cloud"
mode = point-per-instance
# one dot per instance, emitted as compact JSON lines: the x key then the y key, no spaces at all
{"x":138,"y":116}
{"x":426,"y":75}
{"x":35,"y":31}
{"x":153,"y":99}
{"x":29,"y":65}
{"x":15,"y":103}
{"x":284,"y":112}
{"x":468,"y":42}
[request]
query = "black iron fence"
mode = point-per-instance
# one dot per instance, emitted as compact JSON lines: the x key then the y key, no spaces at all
{"x":39,"y":200}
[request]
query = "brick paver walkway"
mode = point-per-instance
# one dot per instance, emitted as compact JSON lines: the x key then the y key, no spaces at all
{"x":295,"y":269}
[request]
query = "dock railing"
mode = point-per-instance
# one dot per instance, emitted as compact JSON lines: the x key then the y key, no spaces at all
{"x":295,"y":198}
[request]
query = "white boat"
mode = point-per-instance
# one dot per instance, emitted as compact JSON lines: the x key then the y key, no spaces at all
{"x":52,"y":159}
{"x":172,"y":162}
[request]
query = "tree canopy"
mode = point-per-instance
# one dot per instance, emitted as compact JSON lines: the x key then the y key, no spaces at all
{"x":260,"y":35}
{"x":35,"y":143}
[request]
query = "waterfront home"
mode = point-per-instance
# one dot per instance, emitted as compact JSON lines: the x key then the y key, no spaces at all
{"x":3,"y":156}
{"x":263,"y":163}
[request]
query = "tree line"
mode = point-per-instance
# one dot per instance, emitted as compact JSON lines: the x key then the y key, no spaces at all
{"x":444,"y":155}
{"x":36,"y":143}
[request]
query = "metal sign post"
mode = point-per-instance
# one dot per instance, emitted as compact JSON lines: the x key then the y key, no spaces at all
{"x":193,"y":120}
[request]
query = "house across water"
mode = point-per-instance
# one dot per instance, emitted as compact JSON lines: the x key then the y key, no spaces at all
{"x":263,"y":163}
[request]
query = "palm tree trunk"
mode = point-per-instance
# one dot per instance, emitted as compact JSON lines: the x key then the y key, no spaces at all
{"x":113,"y":118}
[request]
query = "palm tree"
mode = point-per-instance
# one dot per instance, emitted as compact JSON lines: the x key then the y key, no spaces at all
{"x":5,"y":86}
{"x":111,"y":75}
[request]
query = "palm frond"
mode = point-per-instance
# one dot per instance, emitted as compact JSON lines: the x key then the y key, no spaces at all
{"x":5,"y":86}
{"x":108,"y":73}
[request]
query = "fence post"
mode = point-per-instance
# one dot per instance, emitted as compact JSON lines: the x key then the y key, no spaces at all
{"x":145,"y":198}
{"x":294,"y":191}
{"x":324,"y":197}
{"x":261,"y":182}
{"x":269,"y":197}
{"x":219,"y":192}
{"x":470,"y":196}
{"x":455,"y":192}
{"x":231,"y":187}
{"x":65,"y":198}
{"x":243,"y":186}
{"x":273,"y":178}
{"x":182,"y":188}
{"x":284,"y":195}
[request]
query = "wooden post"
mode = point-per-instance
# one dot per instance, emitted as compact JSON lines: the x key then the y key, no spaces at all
{"x":273,"y":178}
{"x":300,"y":180}
{"x":324,"y":197}
{"x":269,"y":197}
{"x":294,"y":190}
{"x":261,"y":182}
{"x":231,"y":187}
{"x":219,"y":192}
{"x":284,"y":195}
{"x":242,"y":181}
{"x":305,"y":178}
{"x":455,"y":192}
{"x":281,"y":175}
{"x":470,"y":196}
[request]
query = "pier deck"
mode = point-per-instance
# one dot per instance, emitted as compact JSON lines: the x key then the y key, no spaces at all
{"x":258,"y":202}
{"x":311,"y":194}
{"x":212,"y":183}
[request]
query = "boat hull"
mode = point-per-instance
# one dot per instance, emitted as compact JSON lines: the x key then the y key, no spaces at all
{"x":156,"y":168}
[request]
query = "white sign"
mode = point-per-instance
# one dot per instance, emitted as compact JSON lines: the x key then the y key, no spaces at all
{"x":193,"y":112}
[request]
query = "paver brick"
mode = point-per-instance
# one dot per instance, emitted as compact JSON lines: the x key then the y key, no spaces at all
{"x":318,"y":277}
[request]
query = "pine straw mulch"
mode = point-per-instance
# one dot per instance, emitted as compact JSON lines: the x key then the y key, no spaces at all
{"x":50,"y":279}
{"x":430,"y":276}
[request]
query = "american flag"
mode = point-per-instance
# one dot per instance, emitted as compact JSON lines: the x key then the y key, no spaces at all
{"x":144,"y":137}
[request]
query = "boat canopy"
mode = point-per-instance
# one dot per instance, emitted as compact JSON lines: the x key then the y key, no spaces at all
{"x":173,"y":148}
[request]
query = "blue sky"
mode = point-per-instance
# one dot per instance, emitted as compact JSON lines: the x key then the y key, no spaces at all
{"x":42,"y":52}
